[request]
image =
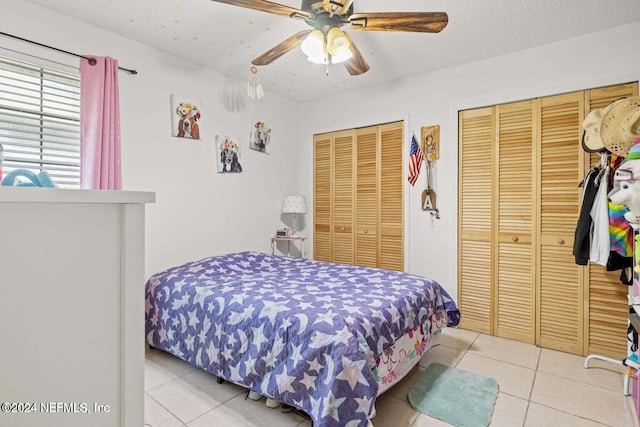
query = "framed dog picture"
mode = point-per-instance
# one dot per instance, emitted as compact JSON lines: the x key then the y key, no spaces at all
{"x":228,"y":152}
{"x":260,"y":137}
{"x":185,"y":117}
{"x":430,"y":142}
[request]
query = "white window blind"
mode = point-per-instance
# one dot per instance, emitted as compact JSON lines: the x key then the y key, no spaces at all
{"x":40,"y":121}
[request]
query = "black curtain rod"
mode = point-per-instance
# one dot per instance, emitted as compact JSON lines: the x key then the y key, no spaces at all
{"x":92,"y":61}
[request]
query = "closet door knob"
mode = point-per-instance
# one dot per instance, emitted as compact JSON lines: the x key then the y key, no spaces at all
{"x":514,"y":238}
{"x":560,"y":241}
{"x":366,"y":231}
{"x":341,"y":228}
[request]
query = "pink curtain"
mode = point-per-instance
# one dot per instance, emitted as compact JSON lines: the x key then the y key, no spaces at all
{"x":100,"y":125}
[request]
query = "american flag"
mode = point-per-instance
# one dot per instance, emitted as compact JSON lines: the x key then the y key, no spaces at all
{"x":415,"y":160}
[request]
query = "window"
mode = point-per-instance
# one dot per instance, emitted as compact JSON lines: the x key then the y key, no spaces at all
{"x":40,"y":121}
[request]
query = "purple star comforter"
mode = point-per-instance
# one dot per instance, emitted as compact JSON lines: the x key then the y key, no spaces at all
{"x":303,"y":332}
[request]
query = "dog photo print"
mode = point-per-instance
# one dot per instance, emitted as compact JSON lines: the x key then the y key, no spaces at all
{"x":185,"y":118}
{"x":260,"y":138}
{"x":228,"y":155}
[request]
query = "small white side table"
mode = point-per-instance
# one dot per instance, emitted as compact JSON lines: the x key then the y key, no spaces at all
{"x":289,"y":239}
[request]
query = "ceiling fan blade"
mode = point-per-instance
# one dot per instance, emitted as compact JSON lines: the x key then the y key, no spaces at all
{"x":280,"y":49}
{"x":419,"y":22}
{"x":267,"y":6}
{"x":356,"y":65}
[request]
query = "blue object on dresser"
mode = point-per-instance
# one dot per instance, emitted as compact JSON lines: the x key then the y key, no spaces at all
{"x":17,"y":178}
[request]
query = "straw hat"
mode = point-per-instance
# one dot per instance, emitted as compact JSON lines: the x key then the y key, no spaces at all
{"x":591,"y":141}
{"x":620,"y":125}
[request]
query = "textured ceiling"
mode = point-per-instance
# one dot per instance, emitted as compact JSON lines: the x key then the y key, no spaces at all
{"x":226,"y":38}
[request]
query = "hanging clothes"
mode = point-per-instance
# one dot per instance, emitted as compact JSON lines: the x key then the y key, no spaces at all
{"x":602,"y":234}
{"x":600,"y":237}
{"x":582,"y":239}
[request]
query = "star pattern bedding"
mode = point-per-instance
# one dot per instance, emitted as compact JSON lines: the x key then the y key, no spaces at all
{"x":303,"y":332}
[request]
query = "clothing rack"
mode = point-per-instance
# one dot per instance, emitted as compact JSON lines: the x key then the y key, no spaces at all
{"x":92,"y":61}
{"x":626,"y":385}
{"x":603,"y":165}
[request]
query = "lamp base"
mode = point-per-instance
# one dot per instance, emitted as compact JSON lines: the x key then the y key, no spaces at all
{"x":295,"y":224}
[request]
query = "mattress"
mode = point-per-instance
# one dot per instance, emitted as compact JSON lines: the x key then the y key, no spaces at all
{"x":318,"y":336}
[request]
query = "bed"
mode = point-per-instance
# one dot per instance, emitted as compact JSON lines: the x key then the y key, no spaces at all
{"x":324,"y":338}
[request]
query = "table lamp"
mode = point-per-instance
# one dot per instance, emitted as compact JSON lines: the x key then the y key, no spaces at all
{"x":294,"y":205}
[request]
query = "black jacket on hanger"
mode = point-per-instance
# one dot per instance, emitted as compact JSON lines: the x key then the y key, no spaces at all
{"x":582,"y":239}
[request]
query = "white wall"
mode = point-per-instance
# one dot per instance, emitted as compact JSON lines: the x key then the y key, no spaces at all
{"x":198,"y":211}
{"x":597,"y":59}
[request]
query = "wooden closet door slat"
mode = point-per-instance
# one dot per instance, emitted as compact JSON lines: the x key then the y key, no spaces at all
{"x":391,"y":196}
{"x":322,"y":197}
{"x":342,"y":200}
{"x":560,"y":290}
{"x":366,"y":212}
{"x":475,"y":169}
{"x":515,"y":207}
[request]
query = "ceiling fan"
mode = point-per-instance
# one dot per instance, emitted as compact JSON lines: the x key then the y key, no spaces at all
{"x":327,"y":43}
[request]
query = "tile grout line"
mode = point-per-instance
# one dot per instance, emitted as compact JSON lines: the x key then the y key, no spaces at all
{"x":166,"y":409}
{"x":533,"y":384}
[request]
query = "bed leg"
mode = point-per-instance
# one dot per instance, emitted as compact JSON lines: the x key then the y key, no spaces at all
{"x":219,"y":380}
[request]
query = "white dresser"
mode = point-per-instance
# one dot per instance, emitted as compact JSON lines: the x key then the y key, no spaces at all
{"x":72,"y":307}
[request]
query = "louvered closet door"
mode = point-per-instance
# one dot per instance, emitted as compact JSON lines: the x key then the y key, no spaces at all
{"x":343,"y":203}
{"x":322,"y":197}
{"x":391,"y":173}
{"x":475,"y":265}
{"x":608,"y":310}
{"x":515,"y":210}
{"x":366,"y":213}
{"x":560,"y":292}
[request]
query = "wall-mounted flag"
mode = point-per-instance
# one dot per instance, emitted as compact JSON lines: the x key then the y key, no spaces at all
{"x":415,"y":160}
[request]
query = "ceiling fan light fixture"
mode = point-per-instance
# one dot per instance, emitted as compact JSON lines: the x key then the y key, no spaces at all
{"x":313,"y":46}
{"x":319,"y":59}
{"x":341,"y":57}
{"x":337,"y":41}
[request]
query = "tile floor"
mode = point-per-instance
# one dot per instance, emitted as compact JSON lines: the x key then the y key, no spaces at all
{"x":538,"y":387}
